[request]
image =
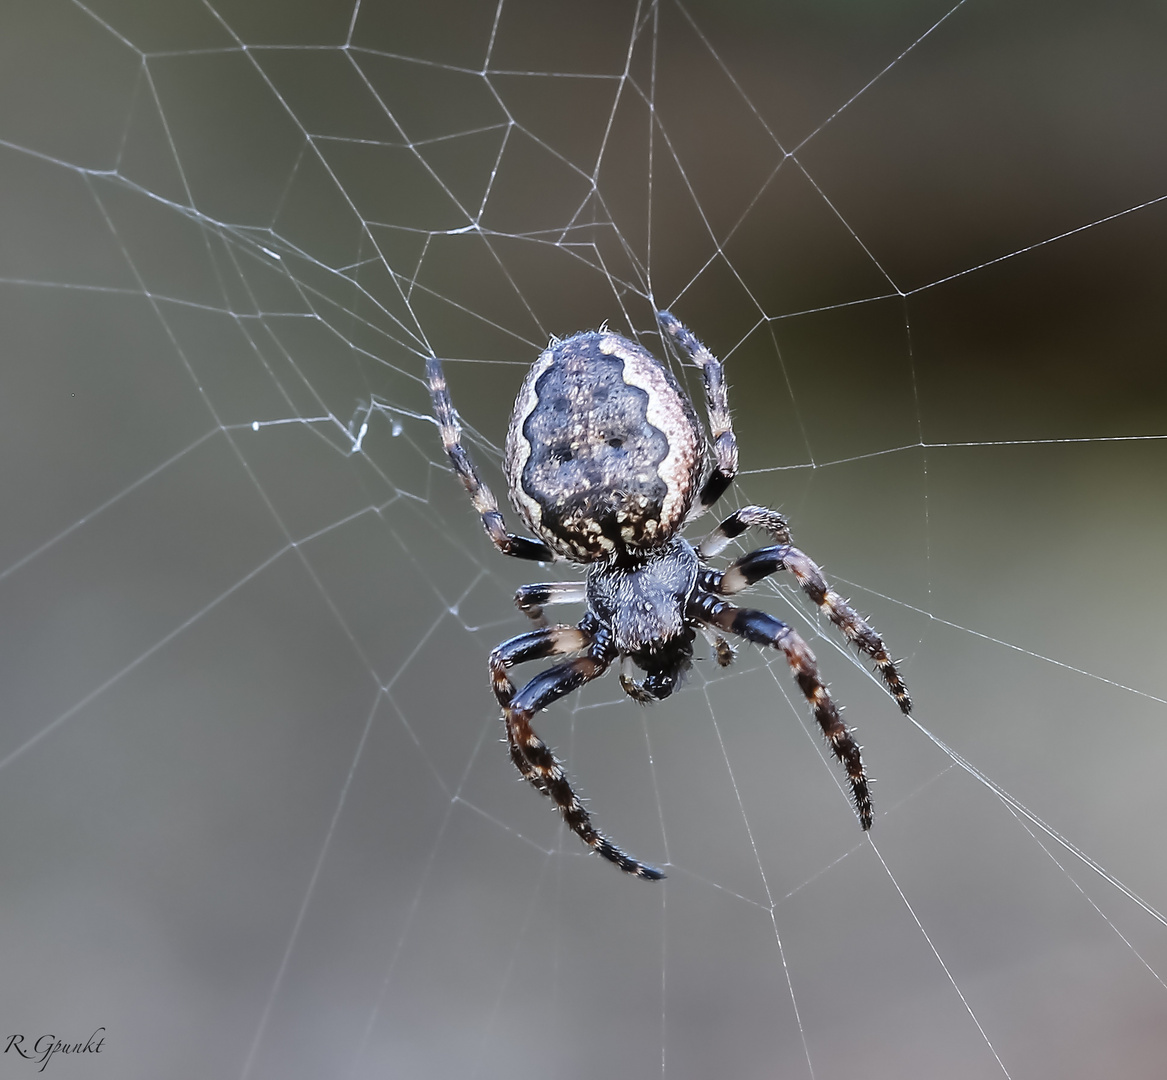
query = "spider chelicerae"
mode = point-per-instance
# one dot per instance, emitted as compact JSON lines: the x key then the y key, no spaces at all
{"x":605,"y":461}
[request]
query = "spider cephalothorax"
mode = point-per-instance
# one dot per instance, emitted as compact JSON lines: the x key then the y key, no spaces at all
{"x":605,"y":461}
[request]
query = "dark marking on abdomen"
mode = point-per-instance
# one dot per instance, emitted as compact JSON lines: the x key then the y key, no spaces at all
{"x":593,"y":452}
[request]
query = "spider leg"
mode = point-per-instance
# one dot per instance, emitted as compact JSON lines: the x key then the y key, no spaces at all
{"x":717,"y":407}
{"x":733,"y":526}
{"x":763,"y":629}
{"x":530,"y":754}
{"x":521,"y":547}
{"x":768,"y":560}
{"x":533,"y":645}
{"x":530,"y":599}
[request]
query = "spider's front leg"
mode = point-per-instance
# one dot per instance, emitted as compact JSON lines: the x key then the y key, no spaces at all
{"x":521,"y":547}
{"x":763,"y":629}
{"x":758,"y":564}
{"x":531,"y":756}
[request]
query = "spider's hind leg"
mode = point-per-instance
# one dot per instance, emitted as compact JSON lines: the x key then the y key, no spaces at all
{"x":716,"y":406}
{"x":521,"y":547}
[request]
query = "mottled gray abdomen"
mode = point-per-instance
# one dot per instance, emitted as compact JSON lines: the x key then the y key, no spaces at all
{"x":604,"y":451}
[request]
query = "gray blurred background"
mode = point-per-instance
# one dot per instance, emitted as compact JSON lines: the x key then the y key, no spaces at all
{"x":254,"y":817}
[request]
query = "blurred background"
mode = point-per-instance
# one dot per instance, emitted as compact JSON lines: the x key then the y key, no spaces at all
{"x":255,"y":820}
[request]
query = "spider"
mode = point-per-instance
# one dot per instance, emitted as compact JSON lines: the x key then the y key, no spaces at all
{"x":605,"y":461}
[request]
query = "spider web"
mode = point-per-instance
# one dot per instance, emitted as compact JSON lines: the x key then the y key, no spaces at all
{"x":255,"y":819}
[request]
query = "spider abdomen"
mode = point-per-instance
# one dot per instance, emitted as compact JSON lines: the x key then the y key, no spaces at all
{"x":604,"y":451}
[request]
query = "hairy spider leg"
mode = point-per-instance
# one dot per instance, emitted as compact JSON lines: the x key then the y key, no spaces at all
{"x":531,"y":756}
{"x":761,"y":517}
{"x":748,"y":517}
{"x":763,"y":629}
{"x":531,"y":599}
{"x":768,"y":560}
{"x":521,"y":547}
{"x":716,"y":405}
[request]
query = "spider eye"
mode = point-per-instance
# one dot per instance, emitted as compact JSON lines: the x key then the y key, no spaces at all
{"x":616,"y":442}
